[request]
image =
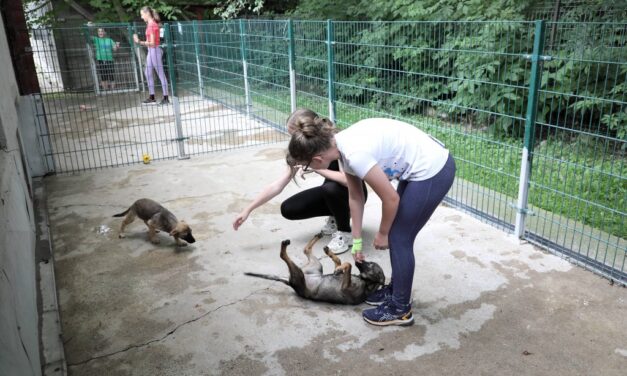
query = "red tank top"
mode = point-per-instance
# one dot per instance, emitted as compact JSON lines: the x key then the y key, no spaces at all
{"x":152,"y":29}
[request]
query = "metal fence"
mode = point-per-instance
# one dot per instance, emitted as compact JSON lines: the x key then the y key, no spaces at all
{"x":539,"y":134}
{"x":90,"y":118}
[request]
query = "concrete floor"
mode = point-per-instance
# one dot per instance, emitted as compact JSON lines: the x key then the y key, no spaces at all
{"x":483,"y":303}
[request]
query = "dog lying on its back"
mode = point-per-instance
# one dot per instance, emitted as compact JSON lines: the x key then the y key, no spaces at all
{"x":156,"y":217}
{"x":341,"y":287}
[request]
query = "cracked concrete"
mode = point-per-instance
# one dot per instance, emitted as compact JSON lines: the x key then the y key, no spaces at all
{"x":483,"y":303}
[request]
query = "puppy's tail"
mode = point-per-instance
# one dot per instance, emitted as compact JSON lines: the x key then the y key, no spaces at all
{"x":270,"y":277}
{"x":122,"y":214}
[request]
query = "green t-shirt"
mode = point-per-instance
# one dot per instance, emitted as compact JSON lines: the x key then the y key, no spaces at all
{"x":104,"y":48}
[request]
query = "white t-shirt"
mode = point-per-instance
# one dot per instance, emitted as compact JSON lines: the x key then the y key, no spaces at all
{"x":403,"y":151}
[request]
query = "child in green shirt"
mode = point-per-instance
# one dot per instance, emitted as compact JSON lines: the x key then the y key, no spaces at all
{"x":104,"y":59}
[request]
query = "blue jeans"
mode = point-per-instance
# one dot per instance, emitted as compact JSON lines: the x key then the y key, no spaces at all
{"x":418,"y":200}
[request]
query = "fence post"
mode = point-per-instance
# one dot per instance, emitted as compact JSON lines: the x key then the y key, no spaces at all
{"x":92,"y":61}
{"x":174,"y":93}
{"x":131,"y":44}
{"x":530,"y":122}
{"x":138,"y":55}
{"x":197,"y":49}
{"x":292,"y":60}
{"x":43,"y":132}
{"x":242,"y":34}
{"x":331,"y":70}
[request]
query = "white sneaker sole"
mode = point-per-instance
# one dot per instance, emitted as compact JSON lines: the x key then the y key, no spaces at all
{"x":376,"y":304}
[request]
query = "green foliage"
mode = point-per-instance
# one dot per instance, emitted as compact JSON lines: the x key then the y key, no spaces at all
{"x":233,"y":8}
{"x":111,"y":10}
{"x":326,"y":9}
{"x":475,"y":71}
{"x":437,"y":10}
{"x":128,"y":10}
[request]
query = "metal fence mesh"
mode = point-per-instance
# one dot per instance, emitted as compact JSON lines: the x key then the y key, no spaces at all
{"x":505,"y":97}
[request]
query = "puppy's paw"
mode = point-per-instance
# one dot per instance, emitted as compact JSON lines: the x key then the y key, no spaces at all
{"x":155,"y":241}
{"x":338,"y":271}
{"x":181,"y":244}
{"x":327,"y":251}
{"x":121,"y":235}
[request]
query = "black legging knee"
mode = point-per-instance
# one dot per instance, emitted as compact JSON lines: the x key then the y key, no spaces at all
{"x":330,"y":198}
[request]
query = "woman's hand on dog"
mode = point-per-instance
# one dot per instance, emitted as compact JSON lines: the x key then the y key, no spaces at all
{"x":241,"y":218}
{"x":359,"y":257}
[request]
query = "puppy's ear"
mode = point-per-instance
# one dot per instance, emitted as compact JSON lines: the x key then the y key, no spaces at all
{"x":174,"y":232}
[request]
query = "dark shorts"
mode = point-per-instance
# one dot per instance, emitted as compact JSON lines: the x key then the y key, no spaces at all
{"x":105,"y":70}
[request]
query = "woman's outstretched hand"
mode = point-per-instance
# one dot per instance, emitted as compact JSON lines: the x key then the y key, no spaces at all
{"x":241,"y":218}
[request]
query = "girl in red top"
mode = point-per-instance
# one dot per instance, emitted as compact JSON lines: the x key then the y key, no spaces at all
{"x":153,"y":59}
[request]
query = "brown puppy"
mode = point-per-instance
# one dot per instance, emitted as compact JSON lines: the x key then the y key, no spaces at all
{"x":341,"y":287}
{"x":156,"y":217}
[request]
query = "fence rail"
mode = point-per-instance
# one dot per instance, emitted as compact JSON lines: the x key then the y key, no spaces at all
{"x":538,"y":128}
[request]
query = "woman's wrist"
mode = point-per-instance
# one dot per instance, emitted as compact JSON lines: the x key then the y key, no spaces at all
{"x":357,"y":246}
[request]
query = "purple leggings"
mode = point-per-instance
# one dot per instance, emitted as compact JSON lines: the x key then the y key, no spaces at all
{"x":153,"y":61}
{"x":419,"y":199}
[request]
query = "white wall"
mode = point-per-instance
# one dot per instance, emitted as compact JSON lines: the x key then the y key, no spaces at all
{"x":19,"y":319}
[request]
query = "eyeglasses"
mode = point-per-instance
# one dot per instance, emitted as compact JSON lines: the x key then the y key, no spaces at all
{"x":306,"y":168}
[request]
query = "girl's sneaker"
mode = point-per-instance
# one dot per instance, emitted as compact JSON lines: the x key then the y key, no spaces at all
{"x":389,"y":313}
{"x":330,"y":227}
{"x":340,"y":242}
{"x":149,"y":101}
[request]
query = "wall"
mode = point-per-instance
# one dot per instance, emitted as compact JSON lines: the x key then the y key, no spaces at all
{"x":19,"y":322}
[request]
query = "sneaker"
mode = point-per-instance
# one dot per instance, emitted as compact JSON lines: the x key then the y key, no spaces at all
{"x":330,"y":227}
{"x":379,"y":296}
{"x":165,"y":100}
{"x":389,"y":313}
{"x":149,"y":101}
{"x":340,"y":242}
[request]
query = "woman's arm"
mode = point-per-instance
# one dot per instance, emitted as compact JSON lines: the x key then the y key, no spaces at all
{"x":379,"y":182}
{"x":268,"y":193}
{"x":336,"y":176}
{"x":356,"y":201}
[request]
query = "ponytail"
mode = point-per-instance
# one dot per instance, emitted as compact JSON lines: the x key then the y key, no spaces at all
{"x":305,"y":118}
{"x":311,"y":135}
{"x":153,"y":14}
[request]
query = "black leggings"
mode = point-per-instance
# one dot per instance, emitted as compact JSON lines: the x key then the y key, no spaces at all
{"x":331,"y":198}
